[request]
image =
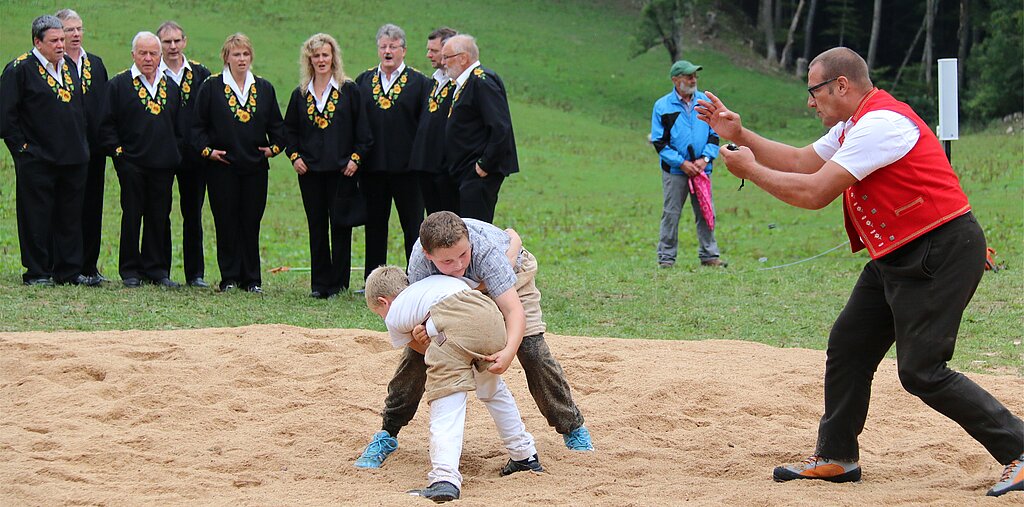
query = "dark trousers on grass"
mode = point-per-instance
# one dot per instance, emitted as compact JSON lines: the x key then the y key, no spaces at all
{"x":544,"y":376}
{"x":913,"y":297}
{"x":49,"y":209}
{"x":440,"y":192}
{"x":145,"y":206}
{"x":380,"y":188}
{"x":92,"y":213}
{"x":238,"y":200}
{"x":479,"y":196}
{"x":330,"y":244}
{"x":191,"y":175}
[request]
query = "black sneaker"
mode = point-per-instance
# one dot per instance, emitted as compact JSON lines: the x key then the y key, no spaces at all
{"x":439,"y":492}
{"x":255,"y":289}
{"x":198,"y":283}
{"x":817,"y":467}
{"x":525,"y":465}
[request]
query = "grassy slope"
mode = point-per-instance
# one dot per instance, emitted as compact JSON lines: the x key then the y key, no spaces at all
{"x":587,"y":201}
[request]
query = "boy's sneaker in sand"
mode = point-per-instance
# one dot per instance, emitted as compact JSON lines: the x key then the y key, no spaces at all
{"x":1012,"y":479}
{"x":439,"y":492}
{"x":578,"y":440}
{"x":378,"y":450}
{"x":817,"y":467}
{"x":532,"y":465}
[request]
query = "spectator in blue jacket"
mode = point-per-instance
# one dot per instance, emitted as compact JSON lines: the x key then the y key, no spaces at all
{"x":686,"y":146}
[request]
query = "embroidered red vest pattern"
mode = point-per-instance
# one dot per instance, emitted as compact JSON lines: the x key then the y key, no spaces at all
{"x":898,"y":203}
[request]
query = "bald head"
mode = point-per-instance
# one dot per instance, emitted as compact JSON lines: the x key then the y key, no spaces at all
{"x":842,"y":61}
{"x":464,"y":43}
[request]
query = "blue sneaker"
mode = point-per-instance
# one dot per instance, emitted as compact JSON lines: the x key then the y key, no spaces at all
{"x":578,"y":440}
{"x":378,"y":450}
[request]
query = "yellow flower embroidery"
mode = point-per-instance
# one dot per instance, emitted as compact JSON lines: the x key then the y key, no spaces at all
{"x":50,"y":81}
{"x":396,"y":89}
{"x":243,"y":115}
{"x":384,"y":103}
{"x":321,"y":122}
{"x":232,"y":102}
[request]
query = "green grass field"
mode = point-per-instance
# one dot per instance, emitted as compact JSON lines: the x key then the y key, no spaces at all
{"x":587,"y":202}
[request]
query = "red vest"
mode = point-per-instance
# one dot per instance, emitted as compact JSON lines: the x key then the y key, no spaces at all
{"x":899,"y":202}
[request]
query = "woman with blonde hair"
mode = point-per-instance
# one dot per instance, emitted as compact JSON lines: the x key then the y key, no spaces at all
{"x":328,"y":136}
{"x":238,"y":126}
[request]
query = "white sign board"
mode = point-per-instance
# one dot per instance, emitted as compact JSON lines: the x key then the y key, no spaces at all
{"x":949,"y":109}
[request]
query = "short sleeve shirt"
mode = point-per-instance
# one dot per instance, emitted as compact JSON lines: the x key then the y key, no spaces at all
{"x":878,"y":139}
{"x":488,"y":263}
{"x":412,"y":306}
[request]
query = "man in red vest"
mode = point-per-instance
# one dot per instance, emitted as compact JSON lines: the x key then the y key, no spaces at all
{"x":903,"y":203}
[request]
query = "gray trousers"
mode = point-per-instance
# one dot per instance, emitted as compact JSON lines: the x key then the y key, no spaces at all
{"x":675,"y":188}
{"x":544,"y":376}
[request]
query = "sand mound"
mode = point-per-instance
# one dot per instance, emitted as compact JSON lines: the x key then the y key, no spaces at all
{"x":275,"y":415}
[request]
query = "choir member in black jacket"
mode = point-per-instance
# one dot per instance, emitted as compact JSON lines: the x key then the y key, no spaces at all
{"x":42,"y":121}
{"x":140,"y":130}
{"x":328,"y":136}
{"x":480,"y":149}
{"x":191,"y":172}
{"x":396,"y":93}
{"x":238,"y":125}
{"x":440,"y":190}
{"x":93,"y":75}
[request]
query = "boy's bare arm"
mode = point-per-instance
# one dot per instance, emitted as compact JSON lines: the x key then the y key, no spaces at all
{"x":515,"y":325}
{"x":418,"y":347}
{"x":515,"y":245}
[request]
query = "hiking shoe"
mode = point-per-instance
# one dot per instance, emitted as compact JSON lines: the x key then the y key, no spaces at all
{"x":714,"y":263}
{"x":1012,"y":479}
{"x":439,"y":492}
{"x":532,"y":465}
{"x":817,"y":467}
{"x":378,"y":450}
{"x":578,"y":440}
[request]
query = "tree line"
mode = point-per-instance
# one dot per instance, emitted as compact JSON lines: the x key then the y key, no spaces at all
{"x":900,"y":39}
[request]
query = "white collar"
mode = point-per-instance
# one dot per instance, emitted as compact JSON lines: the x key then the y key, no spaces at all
{"x":441,"y":78}
{"x":52,"y":69}
{"x":80,"y":63}
{"x":461,"y":80}
{"x":150,"y":87}
{"x":164,"y":69}
{"x":243,"y":93}
{"x":321,"y":101}
{"x":394,"y":75}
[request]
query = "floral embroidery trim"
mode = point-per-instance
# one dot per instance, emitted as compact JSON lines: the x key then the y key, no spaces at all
{"x":19,"y":59}
{"x":355,"y":158}
{"x":63,"y":91}
{"x":118,"y":151}
{"x":153,"y":106}
{"x":322,"y":120}
{"x":293,"y":156}
{"x":243,"y":113}
{"x":435,"y":101}
{"x":478,"y":72}
{"x":275,"y":149}
{"x":207,"y":152}
{"x":386,"y":100}
{"x":86,"y":74}
{"x":186,"y":86}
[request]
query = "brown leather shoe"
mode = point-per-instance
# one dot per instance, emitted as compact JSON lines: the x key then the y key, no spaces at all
{"x":715,"y":263}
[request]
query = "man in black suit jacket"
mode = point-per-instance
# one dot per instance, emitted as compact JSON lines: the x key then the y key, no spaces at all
{"x":440,"y":190}
{"x":42,"y":121}
{"x":93,"y":75}
{"x":480,"y":148}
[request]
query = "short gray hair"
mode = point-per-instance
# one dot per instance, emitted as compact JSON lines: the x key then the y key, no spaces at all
{"x":44,"y":23}
{"x":66,"y":14}
{"x":392,"y":32}
{"x":466,"y":43}
{"x":145,"y":35}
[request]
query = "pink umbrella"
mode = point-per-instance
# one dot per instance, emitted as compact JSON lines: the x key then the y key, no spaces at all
{"x":701,"y":185}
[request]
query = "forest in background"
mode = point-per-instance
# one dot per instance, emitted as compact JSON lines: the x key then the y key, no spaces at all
{"x":900,"y":39}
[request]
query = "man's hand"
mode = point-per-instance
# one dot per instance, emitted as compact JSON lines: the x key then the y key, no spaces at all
{"x":267,"y":152}
{"x":300,"y":166}
{"x":351,"y":168}
{"x":690,"y":168}
{"x":502,"y":360}
{"x":480,"y":172}
{"x":740,"y":162}
{"x":419,"y":333}
{"x":218,"y":155}
{"x":725,"y":122}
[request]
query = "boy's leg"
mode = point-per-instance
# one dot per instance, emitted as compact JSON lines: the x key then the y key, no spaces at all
{"x":493,"y":392}
{"x":447,"y":428}
{"x":404,"y":392}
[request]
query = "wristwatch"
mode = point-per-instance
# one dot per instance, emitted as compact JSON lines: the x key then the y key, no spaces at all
{"x":707,"y":159}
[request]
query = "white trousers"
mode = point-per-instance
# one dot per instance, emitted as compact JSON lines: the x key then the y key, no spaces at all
{"x":448,"y":425}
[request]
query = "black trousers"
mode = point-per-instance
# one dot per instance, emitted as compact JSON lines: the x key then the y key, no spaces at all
{"x":238,"y":200}
{"x":191,"y":175}
{"x":330,"y":244}
{"x":440,"y":192}
{"x":479,"y":196}
{"x":49,"y":210}
{"x":92,"y":213}
{"x":913,"y":297}
{"x":145,"y":205}
{"x":544,"y":377}
{"x":380,"y":189}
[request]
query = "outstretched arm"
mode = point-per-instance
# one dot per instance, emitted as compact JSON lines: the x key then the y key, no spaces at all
{"x":775,"y":155}
{"x":811,"y":191}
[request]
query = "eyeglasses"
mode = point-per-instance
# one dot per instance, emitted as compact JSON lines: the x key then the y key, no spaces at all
{"x":391,"y":47}
{"x":819,"y":85}
{"x":446,"y":57}
{"x":74,"y":29}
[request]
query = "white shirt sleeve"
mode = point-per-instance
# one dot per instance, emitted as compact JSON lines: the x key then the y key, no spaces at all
{"x":878,"y":139}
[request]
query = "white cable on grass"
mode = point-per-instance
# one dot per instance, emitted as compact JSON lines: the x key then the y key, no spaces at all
{"x":807,"y":259}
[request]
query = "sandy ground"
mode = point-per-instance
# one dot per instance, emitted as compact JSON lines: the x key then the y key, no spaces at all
{"x":275,"y":415}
